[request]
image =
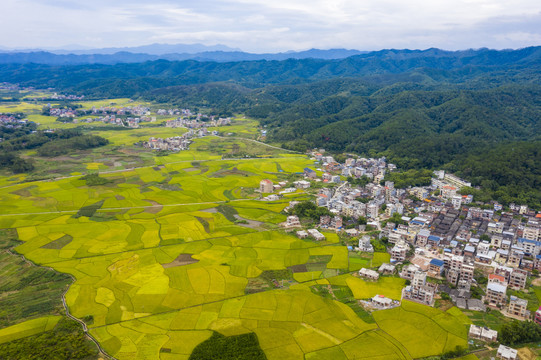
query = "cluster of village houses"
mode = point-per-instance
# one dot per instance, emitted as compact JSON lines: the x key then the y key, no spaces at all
{"x":446,"y":236}
{"x":129,"y":116}
{"x":11,"y":121}
{"x":198,"y":123}
{"x":178,"y":143}
{"x":56,"y":96}
{"x":132,"y":116}
{"x":11,"y":87}
{"x":175,"y":143}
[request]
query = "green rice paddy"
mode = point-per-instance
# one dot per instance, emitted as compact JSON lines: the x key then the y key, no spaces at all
{"x":158,"y":268}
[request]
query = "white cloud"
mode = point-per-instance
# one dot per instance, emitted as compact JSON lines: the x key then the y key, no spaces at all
{"x":278,"y":25}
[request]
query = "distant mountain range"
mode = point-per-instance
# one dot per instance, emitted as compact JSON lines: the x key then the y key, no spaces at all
{"x":179,"y":52}
{"x":429,"y":66}
{"x":152,"y":49}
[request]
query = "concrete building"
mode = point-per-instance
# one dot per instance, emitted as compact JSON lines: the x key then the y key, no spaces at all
{"x":369,"y":274}
{"x":506,"y":353}
{"x":495,"y":295}
{"x":537,"y":317}
{"x":518,"y":278}
{"x":372,"y":211}
{"x":382,"y":302}
{"x":316,"y":234}
{"x":293,"y":221}
{"x":483,"y":333}
{"x":518,"y":307}
{"x":301,"y":184}
{"x":386,"y":269}
{"x":420,"y":291}
{"x":436,"y":266}
{"x":408,"y":272}
{"x":265,"y":186}
{"x":365,"y":244}
{"x":456,"y":201}
{"x":531,"y":233}
{"x":422,"y":237}
{"x":399,"y":251}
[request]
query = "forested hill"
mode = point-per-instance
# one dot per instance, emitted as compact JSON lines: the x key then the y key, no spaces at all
{"x":428,"y":66}
{"x":472,"y":112}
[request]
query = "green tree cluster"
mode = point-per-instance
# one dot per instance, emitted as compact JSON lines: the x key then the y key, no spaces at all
{"x":518,"y":332}
{"x":307,"y":209}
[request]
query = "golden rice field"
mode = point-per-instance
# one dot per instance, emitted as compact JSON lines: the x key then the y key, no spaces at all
{"x":159,"y":265}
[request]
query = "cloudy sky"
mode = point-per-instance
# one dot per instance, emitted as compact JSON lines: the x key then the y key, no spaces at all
{"x":273,"y":25}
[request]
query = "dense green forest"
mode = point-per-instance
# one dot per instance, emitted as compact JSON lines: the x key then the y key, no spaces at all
{"x":47,"y":144}
{"x":28,"y":292}
{"x":382,"y":67}
{"x":476,"y":112}
{"x":66,"y":341}
{"x":220,"y":347}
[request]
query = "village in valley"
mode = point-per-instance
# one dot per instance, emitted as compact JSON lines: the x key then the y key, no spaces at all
{"x":445,"y":245}
{"x":197,"y":129}
{"x":334,"y":226}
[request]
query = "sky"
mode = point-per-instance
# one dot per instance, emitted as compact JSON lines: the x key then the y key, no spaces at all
{"x":273,"y":25}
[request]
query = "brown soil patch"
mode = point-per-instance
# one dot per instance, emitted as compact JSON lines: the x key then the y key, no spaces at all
{"x":536,"y":282}
{"x":119,"y":197}
{"x":526,"y":354}
{"x":156,"y":208}
{"x":256,"y":285}
{"x":130,"y":151}
{"x":24,"y":191}
{"x":181,"y":260}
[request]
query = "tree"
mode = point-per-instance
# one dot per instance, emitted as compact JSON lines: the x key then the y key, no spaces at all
{"x":518,"y":332}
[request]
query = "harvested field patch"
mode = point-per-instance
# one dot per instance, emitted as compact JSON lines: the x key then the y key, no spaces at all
{"x":181,"y":260}
{"x":256,"y":285}
{"x":298,"y":268}
{"x":24,"y":191}
{"x":230,"y":172}
{"x":58,"y":243}
{"x":205,"y":223}
{"x":155,"y":209}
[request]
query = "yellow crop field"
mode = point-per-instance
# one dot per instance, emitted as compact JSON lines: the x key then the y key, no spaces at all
{"x":168,"y":249}
{"x":28,"y":328}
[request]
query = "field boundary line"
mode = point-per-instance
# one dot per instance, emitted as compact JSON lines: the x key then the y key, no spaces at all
{"x":128,"y":207}
{"x":259,"y":142}
{"x":141,"y":167}
{"x":158,"y":247}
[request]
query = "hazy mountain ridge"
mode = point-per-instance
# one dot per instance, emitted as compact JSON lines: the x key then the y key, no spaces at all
{"x":386,"y":66}
{"x":124,"y":56}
